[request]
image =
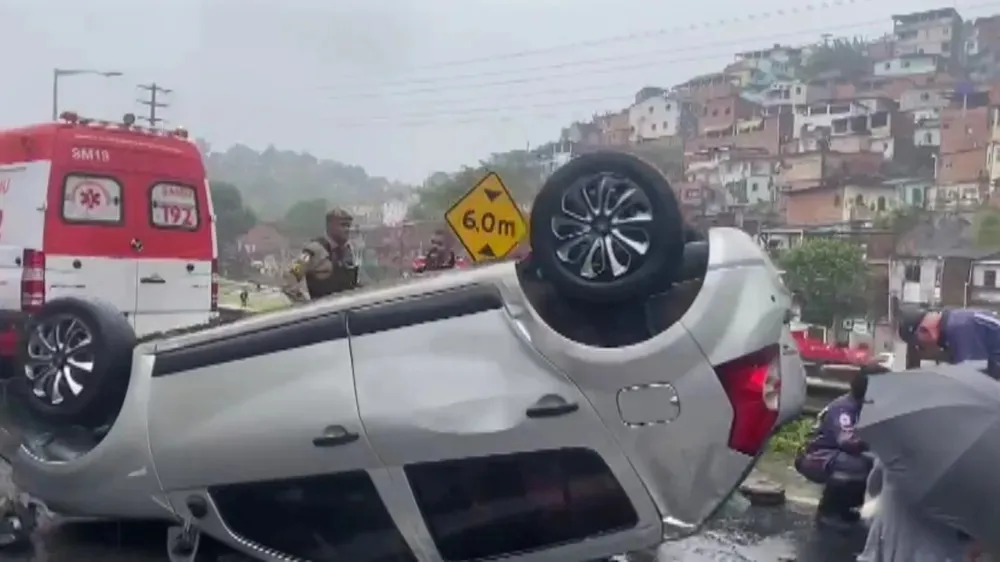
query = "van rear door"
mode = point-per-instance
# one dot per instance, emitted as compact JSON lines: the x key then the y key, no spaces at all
{"x":22,"y":220}
{"x":175,"y":260}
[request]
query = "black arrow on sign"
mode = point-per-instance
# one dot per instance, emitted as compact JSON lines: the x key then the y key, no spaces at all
{"x":486,"y":251}
{"x":491,"y":194}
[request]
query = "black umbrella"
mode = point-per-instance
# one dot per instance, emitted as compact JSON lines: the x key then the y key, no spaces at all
{"x":937,"y":431}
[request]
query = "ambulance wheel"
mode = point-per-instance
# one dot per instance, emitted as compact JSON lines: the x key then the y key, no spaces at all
{"x":606,"y":227}
{"x":77,"y":358}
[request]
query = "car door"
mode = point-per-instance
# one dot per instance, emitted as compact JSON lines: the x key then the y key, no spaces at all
{"x":503,"y":455}
{"x":264,"y":420}
{"x":257,"y":404}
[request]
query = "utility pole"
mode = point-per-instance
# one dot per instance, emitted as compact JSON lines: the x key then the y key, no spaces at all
{"x":153,"y":102}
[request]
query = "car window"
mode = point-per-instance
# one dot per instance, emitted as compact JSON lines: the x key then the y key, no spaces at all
{"x":493,"y":506}
{"x":92,"y":199}
{"x":330,"y":517}
{"x":173,"y":205}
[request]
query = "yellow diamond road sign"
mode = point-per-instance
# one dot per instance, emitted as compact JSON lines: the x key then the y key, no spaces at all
{"x":487,"y":220}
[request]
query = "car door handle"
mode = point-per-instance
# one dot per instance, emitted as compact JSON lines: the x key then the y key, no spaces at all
{"x":550,"y":406}
{"x":155,"y":280}
{"x":334,"y":436}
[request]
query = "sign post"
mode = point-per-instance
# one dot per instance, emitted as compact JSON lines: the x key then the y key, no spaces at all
{"x":487,"y":220}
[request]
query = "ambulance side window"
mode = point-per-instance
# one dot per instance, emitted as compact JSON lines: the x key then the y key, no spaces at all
{"x":92,"y":199}
{"x":173,"y":206}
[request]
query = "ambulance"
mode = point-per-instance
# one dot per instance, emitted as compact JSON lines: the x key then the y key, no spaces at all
{"x":108,"y":210}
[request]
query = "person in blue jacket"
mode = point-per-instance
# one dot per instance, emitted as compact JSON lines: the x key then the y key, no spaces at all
{"x":962,"y":334}
{"x":835,"y":456}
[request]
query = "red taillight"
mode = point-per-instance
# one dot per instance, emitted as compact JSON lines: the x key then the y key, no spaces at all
{"x":753,"y":385}
{"x":32,"y":280}
{"x":215,"y":285}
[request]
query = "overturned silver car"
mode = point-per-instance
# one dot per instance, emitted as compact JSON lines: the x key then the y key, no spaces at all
{"x":606,"y":394}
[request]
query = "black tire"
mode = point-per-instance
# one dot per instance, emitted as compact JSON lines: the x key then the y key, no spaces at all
{"x":665,"y":233}
{"x":105,"y":386}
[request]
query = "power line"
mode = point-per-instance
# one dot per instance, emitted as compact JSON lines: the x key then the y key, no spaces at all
{"x":450,"y":110}
{"x":722,"y":22}
{"x":588,"y":72}
{"x":153,"y":102}
{"x":616,"y":58}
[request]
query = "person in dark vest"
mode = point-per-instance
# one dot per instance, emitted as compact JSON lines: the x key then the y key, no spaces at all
{"x":440,"y":255}
{"x":326,"y":263}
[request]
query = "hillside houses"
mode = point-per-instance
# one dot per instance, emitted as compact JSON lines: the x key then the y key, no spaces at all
{"x":911,"y":121}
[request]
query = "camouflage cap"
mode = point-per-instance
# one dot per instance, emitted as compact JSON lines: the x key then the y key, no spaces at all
{"x":339,"y":214}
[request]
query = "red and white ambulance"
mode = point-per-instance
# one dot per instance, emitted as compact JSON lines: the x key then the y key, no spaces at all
{"x":109,"y":210}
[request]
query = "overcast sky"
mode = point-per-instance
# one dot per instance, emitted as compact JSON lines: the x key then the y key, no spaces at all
{"x":382,"y":83}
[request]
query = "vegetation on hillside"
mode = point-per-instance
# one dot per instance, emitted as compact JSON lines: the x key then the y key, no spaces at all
{"x":846,"y":57}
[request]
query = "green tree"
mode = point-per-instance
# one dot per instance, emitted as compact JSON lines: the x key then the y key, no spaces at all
{"x":306,"y":219}
{"x":520,"y":171}
{"x":986,"y":229}
{"x":848,"y":57}
{"x":232,"y":218}
{"x":830,"y":278}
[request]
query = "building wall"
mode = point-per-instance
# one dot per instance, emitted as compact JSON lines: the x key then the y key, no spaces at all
{"x":923,"y":98}
{"x":962,"y":167}
{"x":813,"y":206}
{"x":767,"y":136}
{"x":905,"y":66}
{"x":964,"y":129}
{"x":654,"y":118}
{"x":725,"y":112}
{"x":867,"y":202}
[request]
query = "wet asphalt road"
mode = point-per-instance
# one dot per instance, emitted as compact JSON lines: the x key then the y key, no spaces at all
{"x":748,"y":535}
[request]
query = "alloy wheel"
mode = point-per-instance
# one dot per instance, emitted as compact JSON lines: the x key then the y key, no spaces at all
{"x":60,"y":358}
{"x":603,"y":230}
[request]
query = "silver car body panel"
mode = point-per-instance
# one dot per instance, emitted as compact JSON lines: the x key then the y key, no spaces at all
{"x":655,"y":411}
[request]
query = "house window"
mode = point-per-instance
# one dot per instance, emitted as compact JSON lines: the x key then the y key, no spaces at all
{"x":653,"y":126}
{"x":798,"y":90}
{"x":665,"y":126}
{"x":906,"y":64}
{"x":859,"y":200}
{"x":836,"y":200}
{"x":946,"y":46}
{"x":888,"y":65}
{"x":928,"y":137}
{"x":727,"y":111}
{"x":917,"y":196}
{"x":880,"y":205}
{"x":667,"y":107}
{"x":925,"y":96}
{"x":990,"y":278}
{"x":715,"y":113}
{"x":911,"y":273}
{"x":651,"y":109}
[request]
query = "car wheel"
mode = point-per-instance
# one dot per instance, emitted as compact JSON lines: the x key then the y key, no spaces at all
{"x":77,"y":358}
{"x":607,"y":227}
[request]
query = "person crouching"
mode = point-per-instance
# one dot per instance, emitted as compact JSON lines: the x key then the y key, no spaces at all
{"x":836,"y":458}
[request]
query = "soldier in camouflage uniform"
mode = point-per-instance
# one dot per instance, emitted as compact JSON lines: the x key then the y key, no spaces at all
{"x":326,"y":263}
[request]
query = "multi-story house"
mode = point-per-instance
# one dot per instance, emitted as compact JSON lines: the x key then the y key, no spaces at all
{"x":723,"y":113}
{"x":932,"y":32}
{"x":822,"y":187}
{"x":823,"y":113}
{"x":657,"y":114}
{"x":762,"y":133}
{"x":743,"y":177}
{"x":982,"y":49}
{"x":962,"y":171}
